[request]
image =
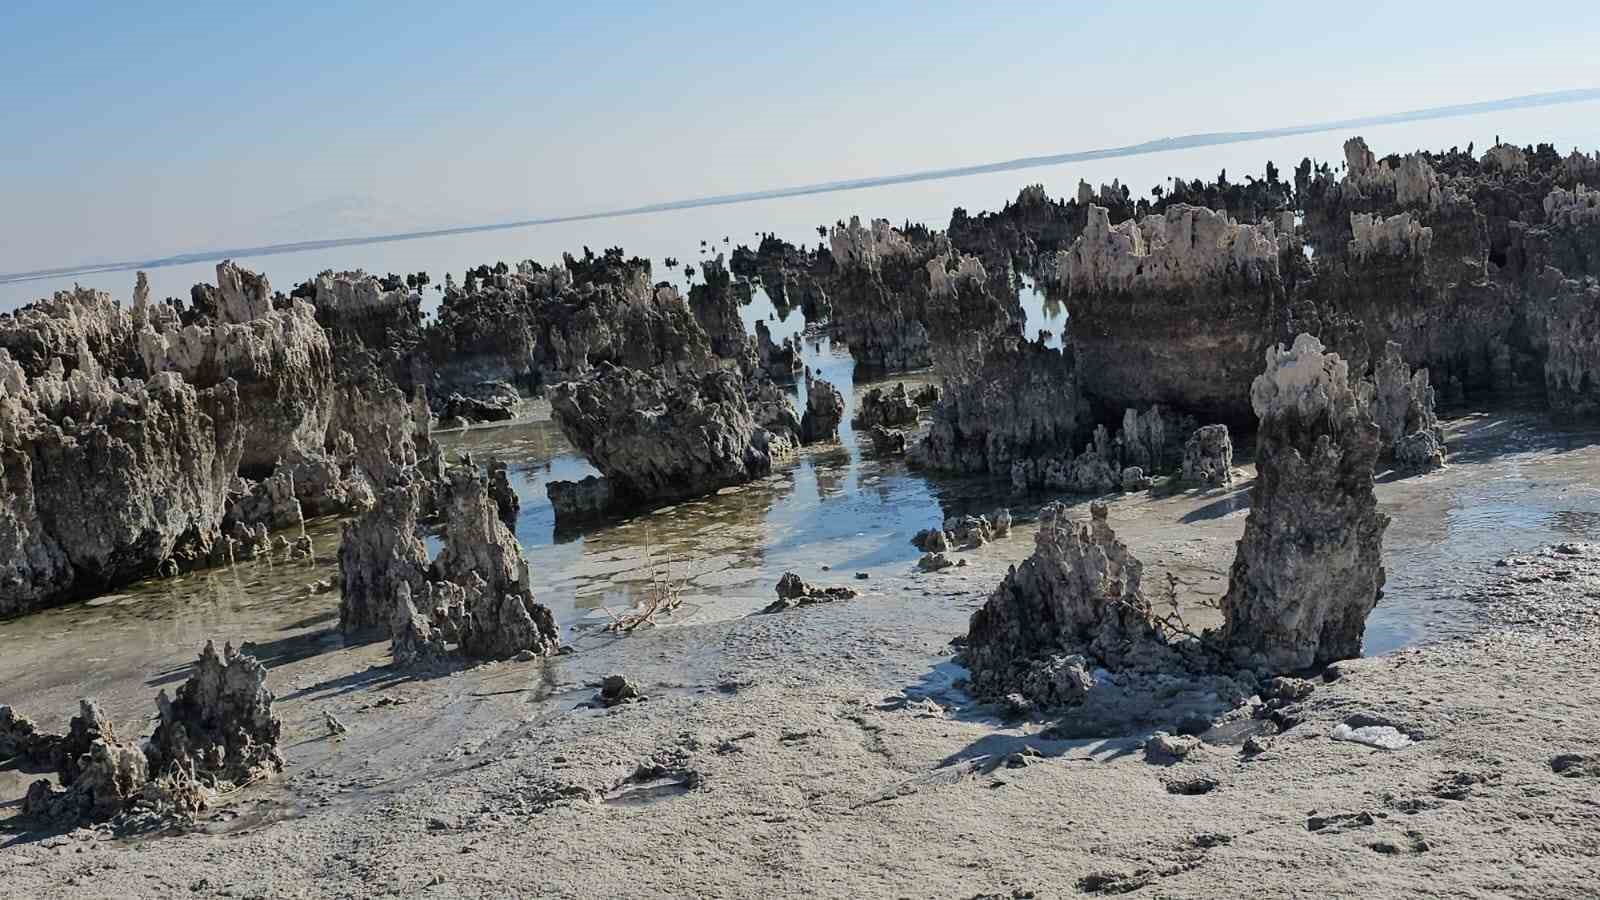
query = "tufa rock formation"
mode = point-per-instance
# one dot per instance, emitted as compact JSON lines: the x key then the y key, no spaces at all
{"x":220,"y":729}
{"x":824,"y":411}
{"x":1309,"y":567}
{"x":655,"y":440}
{"x":1208,"y":457}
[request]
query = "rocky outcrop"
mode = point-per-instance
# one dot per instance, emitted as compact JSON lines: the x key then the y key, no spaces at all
{"x":220,"y":729}
{"x":1169,"y":309}
{"x":781,"y":363}
{"x":1309,"y":567}
{"x":507,"y":504}
{"x":480,"y":586}
{"x":280,"y":359}
{"x":889,"y":408}
{"x":1021,"y":406}
{"x":105,"y":480}
{"x":379,"y":554}
{"x":1073,"y":606}
{"x":218,"y":735}
{"x":576,"y":500}
{"x":792,"y":592}
{"x":1208,"y":457}
{"x":824,"y":411}
{"x":1408,"y":429}
{"x":716,"y":308}
{"x":873,"y":306}
{"x":655,"y":440}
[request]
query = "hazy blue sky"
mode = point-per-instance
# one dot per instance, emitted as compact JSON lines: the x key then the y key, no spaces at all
{"x":180,"y":126}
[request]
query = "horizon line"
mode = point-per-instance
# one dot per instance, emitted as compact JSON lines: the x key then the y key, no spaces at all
{"x":1158,"y":145}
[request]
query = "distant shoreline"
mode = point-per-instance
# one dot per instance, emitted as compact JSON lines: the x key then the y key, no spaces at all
{"x":1155,"y":146}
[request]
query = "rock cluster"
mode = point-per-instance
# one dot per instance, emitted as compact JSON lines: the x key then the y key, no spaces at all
{"x":657,"y":440}
{"x":1019,"y":407}
{"x":792,"y":592}
{"x":1309,"y":568}
{"x":220,"y":728}
{"x":966,"y":532}
{"x":1166,"y":309}
{"x":218,"y":734}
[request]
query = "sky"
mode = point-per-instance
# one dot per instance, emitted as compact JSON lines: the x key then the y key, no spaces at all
{"x":136,"y":132}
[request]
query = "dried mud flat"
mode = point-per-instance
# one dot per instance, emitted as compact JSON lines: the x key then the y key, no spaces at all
{"x":828,"y":751}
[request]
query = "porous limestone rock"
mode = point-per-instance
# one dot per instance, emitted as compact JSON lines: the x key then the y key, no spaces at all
{"x":1397,"y":235}
{"x":657,"y":440}
{"x":220,"y":729}
{"x":111,"y":777}
{"x":887,"y":440}
{"x":782,"y":363}
{"x":378,"y":553}
{"x":1309,"y":567}
{"x":824,"y":411}
{"x":1403,"y":407}
{"x":1018,"y":409}
{"x":102,"y":480}
{"x":280,"y":359}
{"x":932,"y":540}
{"x":716,"y":308}
{"x":1208,"y":457}
{"x":1075,"y":603}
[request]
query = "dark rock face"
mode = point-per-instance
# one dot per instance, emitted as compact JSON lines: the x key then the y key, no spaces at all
{"x":824,"y":411}
{"x":1074,"y":605}
{"x":716,"y":308}
{"x":1021,"y":406}
{"x":220,"y":728}
{"x":790,"y":275}
{"x":889,"y":408}
{"x":1171,"y":309}
{"x":506,"y":503}
{"x":576,"y":500}
{"x":655,"y":440}
{"x":103,"y":480}
{"x":1572,"y":368}
{"x":1208,"y":457}
{"x":781,"y":363}
{"x":1309,"y":567}
{"x":472,"y":409}
{"x":792,"y":592}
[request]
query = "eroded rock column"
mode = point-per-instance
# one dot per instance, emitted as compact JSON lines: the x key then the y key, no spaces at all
{"x":1309,"y":567}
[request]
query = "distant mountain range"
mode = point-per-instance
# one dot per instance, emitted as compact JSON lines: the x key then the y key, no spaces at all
{"x":384,"y":222}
